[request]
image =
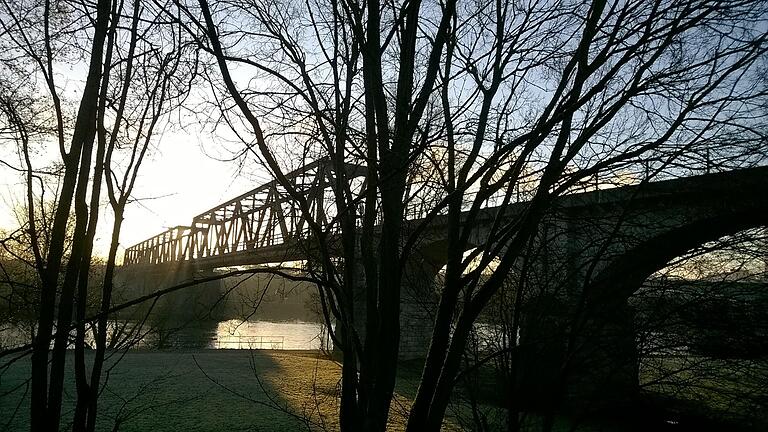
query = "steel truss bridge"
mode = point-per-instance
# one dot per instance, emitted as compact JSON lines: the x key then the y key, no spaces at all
{"x":265,"y":224}
{"x":261,"y":219}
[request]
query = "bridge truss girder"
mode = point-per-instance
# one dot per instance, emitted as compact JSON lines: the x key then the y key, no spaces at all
{"x":263,"y":217}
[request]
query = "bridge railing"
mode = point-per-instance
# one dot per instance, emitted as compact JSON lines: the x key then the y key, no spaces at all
{"x":170,"y":245}
{"x":250,"y":342}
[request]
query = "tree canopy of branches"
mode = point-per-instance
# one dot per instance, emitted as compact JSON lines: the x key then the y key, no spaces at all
{"x":448,"y":107}
{"x":85,"y":85}
{"x":452,"y":107}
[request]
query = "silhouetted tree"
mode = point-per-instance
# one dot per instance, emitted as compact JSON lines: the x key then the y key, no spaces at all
{"x":487,"y":104}
{"x":137,"y":69}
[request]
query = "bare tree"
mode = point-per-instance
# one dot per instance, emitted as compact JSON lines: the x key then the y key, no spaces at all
{"x":137,"y":71}
{"x":499,"y":102}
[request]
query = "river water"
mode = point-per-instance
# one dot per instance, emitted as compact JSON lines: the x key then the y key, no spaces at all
{"x":229,"y":334}
{"x":248,"y":312}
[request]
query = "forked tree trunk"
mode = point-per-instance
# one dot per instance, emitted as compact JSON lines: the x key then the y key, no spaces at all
{"x":45,"y":403}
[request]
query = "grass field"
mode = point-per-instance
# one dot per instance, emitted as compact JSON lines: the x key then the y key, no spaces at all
{"x":205,"y":390}
{"x":262,"y":390}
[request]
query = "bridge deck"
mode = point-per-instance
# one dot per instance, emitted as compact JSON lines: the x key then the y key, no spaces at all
{"x":264,"y":225}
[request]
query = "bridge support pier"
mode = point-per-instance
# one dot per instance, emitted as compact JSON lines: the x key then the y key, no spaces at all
{"x":418,"y":304}
{"x":605,"y":362}
{"x":184,"y":304}
{"x":539,"y":361}
{"x":577,"y":362}
{"x":418,"y":301}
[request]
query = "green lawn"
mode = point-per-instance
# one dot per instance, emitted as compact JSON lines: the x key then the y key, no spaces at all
{"x":206,"y":390}
{"x":231,"y":390}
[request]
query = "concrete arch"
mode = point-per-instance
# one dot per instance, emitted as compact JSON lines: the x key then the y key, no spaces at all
{"x":606,"y":362}
{"x":624,"y":275}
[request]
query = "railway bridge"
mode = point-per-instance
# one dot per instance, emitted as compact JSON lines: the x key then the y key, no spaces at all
{"x":596,"y":247}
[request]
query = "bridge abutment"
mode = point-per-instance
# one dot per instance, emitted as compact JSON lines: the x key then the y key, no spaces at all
{"x":418,"y":304}
{"x":184,"y":304}
{"x":577,"y":362}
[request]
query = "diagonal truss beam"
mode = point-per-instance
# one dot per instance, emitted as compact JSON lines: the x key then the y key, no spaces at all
{"x":262,"y":217}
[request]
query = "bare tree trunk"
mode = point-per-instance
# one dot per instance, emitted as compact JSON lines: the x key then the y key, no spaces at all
{"x":596,"y":67}
{"x":45,"y":403}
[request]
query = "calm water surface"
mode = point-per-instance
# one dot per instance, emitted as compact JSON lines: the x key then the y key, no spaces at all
{"x":296,"y":335}
{"x":230,"y":334}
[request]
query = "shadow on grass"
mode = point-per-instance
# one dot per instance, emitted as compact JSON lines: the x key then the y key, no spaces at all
{"x":194,"y":390}
{"x":290,"y":390}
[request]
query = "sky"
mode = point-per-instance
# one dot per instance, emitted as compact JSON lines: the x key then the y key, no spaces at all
{"x":179,"y":178}
{"x":177,"y":181}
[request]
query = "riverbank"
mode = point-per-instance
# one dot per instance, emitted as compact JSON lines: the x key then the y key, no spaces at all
{"x":266,"y":390}
{"x":200,"y":390}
